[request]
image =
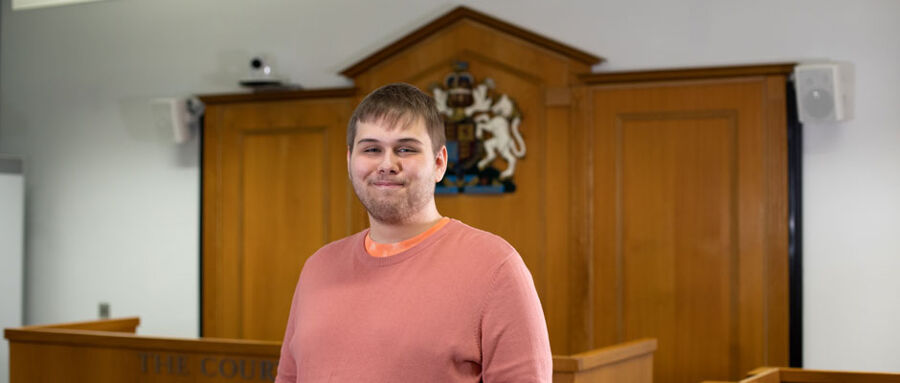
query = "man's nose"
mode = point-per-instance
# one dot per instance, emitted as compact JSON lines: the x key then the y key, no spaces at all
{"x":390,"y":163}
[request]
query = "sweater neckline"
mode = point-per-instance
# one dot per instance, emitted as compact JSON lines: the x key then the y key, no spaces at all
{"x":380,"y":250}
{"x":359,"y":247}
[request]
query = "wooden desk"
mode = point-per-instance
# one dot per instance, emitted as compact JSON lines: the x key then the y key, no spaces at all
{"x":797,"y":375}
{"x":109,"y":351}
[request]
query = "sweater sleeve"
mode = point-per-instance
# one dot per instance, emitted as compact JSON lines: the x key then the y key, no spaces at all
{"x":515,"y":344}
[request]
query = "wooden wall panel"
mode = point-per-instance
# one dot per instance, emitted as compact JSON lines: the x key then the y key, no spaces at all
{"x":284,"y":216}
{"x":559,"y":298}
{"x":677,"y":199}
{"x":273,"y":195}
{"x":684,"y":180}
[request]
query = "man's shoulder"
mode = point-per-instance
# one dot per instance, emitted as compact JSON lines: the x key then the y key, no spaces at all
{"x":341,"y":246}
{"x":471,"y":239}
{"x":482,"y":255}
{"x":346,"y":242}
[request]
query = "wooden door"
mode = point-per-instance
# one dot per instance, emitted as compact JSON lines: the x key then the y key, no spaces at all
{"x":689,"y":223}
{"x":272,"y":195}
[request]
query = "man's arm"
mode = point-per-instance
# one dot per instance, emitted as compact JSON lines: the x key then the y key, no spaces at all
{"x":514,"y":343}
{"x":287,"y":365}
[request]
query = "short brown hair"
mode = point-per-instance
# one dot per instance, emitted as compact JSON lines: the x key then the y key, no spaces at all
{"x":396,"y":103}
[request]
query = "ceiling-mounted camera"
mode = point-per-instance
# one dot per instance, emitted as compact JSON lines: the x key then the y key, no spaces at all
{"x":261,"y":75}
{"x":257,"y":64}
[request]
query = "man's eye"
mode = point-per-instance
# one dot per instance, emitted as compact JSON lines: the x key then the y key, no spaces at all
{"x":406,"y":150}
{"x":371,"y":150}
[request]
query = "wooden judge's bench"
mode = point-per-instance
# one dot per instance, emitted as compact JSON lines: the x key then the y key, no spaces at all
{"x":109,"y":351}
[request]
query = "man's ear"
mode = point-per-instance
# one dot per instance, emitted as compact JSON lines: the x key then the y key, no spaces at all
{"x":348,"y":161}
{"x":440,"y":164}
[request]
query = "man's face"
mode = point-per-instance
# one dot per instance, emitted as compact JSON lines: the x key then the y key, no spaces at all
{"x":394,"y":169}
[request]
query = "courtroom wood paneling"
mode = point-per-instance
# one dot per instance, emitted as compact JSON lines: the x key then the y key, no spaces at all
{"x":273,"y":194}
{"x":558,"y":302}
{"x":688,"y":209}
{"x":649,"y":203}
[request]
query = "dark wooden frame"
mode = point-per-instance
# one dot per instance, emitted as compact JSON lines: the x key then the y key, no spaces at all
{"x":795,"y":227}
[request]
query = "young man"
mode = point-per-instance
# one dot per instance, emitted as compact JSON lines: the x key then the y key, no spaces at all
{"x":417,"y":297}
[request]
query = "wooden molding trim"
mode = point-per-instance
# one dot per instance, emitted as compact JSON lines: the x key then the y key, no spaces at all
{"x":687,"y":73}
{"x":792,"y":375}
{"x":131,"y":341}
{"x":458,"y":14}
{"x":63,"y":334}
{"x":128,"y":324}
{"x":604,"y":356}
{"x":801,"y":375}
{"x":277,"y":95}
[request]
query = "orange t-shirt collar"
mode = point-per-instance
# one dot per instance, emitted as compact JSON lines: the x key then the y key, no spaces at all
{"x":381,"y":250}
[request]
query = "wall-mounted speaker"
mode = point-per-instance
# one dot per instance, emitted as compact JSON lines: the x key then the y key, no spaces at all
{"x":824,"y":92}
{"x":171,"y":114}
{"x":178,"y":116}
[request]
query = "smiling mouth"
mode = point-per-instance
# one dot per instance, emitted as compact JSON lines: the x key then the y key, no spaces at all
{"x":387,"y":184}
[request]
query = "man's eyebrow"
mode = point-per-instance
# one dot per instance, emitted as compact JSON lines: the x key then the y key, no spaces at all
{"x":365,"y":140}
{"x":406,"y":140}
{"x":409,"y":140}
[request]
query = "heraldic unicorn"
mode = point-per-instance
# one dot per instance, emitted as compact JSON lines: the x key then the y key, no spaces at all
{"x":480,"y":128}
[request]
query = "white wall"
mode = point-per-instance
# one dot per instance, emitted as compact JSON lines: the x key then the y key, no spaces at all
{"x":113,"y":211}
{"x":12,"y":236}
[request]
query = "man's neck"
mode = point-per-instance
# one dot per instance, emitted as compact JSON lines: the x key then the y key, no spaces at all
{"x":392,"y":233}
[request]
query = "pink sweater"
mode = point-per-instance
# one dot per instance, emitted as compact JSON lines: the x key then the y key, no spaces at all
{"x":458,"y":307}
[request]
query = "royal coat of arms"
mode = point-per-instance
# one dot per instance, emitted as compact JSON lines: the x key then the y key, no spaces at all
{"x":481,"y":126}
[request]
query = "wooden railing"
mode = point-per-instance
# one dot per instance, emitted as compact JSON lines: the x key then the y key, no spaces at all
{"x":109,"y":351}
{"x":797,"y":375}
{"x":630,"y":362}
